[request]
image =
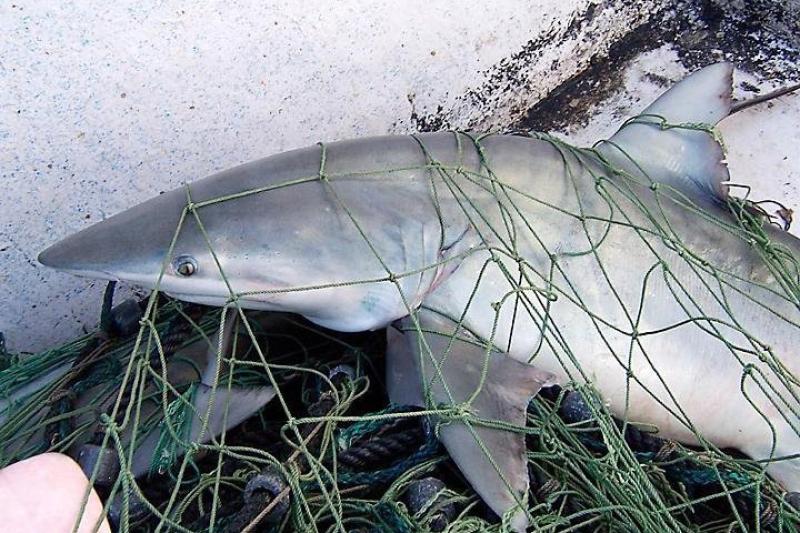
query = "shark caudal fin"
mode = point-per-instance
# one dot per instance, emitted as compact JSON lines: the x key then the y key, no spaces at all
{"x":670,"y":142}
{"x":493,"y":460}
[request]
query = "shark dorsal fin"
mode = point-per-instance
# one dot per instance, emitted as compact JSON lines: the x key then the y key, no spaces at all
{"x":671,"y":143}
{"x":701,"y":97}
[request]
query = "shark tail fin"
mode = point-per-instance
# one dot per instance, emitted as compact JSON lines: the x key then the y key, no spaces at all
{"x":672,"y":142}
{"x":490,"y":456}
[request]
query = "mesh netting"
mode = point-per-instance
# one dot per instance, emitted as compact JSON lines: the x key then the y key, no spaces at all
{"x":330,"y":453}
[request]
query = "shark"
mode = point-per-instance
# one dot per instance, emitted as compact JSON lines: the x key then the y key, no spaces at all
{"x":501,"y":264}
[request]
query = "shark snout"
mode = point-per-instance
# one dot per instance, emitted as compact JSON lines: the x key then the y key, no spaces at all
{"x":130,"y":245}
{"x":107,"y":250}
{"x":62,"y":255}
{"x":68,"y":257}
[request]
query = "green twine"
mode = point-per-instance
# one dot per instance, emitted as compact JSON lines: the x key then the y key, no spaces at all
{"x":180,"y":413}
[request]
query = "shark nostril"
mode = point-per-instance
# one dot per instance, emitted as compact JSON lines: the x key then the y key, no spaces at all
{"x":185,"y":265}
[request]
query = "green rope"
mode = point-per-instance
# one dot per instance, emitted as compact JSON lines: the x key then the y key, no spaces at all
{"x":166,"y":451}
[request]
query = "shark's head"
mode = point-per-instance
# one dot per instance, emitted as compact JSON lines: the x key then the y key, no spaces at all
{"x":130,"y":246}
{"x":134,"y":246}
{"x":290,"y":248}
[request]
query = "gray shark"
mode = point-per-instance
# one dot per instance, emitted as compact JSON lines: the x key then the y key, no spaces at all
{"x":502,"y":264}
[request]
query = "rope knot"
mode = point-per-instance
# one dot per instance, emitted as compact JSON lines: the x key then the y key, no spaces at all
{"x":460,"y":411}
{"x":193,"y":448}
{"x":109,"y":423}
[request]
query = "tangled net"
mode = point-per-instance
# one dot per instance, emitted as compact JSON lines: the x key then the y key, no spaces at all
{"x":330,"y":453}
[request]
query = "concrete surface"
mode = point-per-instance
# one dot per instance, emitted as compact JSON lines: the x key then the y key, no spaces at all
{"x":103,"y":105}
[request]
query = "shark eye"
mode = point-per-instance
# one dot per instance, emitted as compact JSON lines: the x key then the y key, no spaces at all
{"x":184,"y":265}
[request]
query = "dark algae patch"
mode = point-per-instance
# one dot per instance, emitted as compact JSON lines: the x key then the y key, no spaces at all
{"x":513,"y":74}
{"x":571,"y":102}
{"x":755,"y":36}
{"x":758,"y":36}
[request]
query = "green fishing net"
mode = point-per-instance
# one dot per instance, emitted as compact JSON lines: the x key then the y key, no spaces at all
{"x":330,"y":453}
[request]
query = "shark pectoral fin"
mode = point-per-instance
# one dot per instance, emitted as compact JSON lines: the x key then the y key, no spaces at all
{"x":214,"y":407}
{"x":494,"y":460}
{"x":669,"y":142}
{"x":495,"y":389}
{"x":231,"y":406}
{"x":403,"y":382}
{"x":218,"y":410}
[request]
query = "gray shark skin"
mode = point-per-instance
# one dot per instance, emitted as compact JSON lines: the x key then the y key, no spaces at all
{"x":510,"y":262}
